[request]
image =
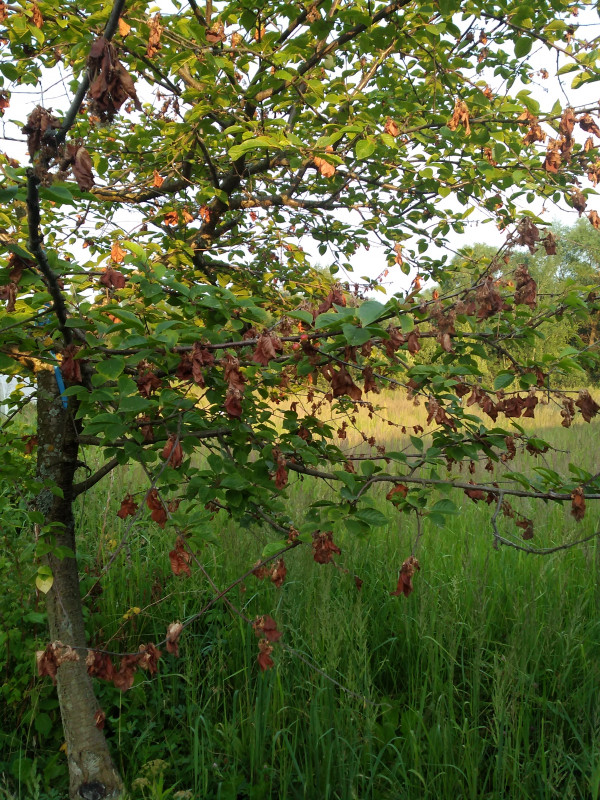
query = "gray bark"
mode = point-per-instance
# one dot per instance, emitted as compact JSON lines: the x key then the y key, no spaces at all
{"x":92,"y":774}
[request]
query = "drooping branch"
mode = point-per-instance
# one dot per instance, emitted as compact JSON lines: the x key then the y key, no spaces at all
{"x":494,"y":490}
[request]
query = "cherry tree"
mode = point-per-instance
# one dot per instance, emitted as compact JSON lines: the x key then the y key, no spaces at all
{"x":248,"y":145}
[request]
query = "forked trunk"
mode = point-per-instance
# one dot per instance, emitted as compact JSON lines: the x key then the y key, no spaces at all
{"x":92,"y":774}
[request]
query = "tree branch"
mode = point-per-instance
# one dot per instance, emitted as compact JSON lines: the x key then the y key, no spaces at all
{"x":79,"y":488}
{"x":35,"y":247}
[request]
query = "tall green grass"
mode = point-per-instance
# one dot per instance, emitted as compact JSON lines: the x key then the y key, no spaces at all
{"x":482,"y":684}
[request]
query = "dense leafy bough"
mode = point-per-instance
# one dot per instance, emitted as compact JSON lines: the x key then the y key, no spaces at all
{"x":202,"y":340}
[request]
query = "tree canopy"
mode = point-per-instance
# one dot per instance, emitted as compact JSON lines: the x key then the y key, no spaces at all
{"x":162,"y":301}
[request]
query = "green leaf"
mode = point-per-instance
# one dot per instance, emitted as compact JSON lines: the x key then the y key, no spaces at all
{"x":372,"y":517}
{"x":8,"y":194}
{"x":303,"y":316}
{"x":254,"y":143}
{"x":44,"y":579}
{"x":445,"y":506}
{"x":365,"y":148}
{"x":355,"y":336}
{"x":369,"y":311}
{"x":523,"y":46}
{"x":111,"y":368}
{"x":272,"y":548}
{"x":58,"y":194}
{"x":503,"y":379}
{"x":135,"y":403}
{"x":407,"y":323}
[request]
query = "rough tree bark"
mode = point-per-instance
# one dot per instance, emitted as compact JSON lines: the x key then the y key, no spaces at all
{"x":92,"y":773}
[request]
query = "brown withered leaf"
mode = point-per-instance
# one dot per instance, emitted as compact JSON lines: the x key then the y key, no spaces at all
{"x":399,"y":489}
{"x":65,"y":653}
{"x":589,"y":125}
{"x":489,"y":300}
{"x":267,"y":627}
{"x":99,"y":719}
{"x":216,"y":33}
{"x":405,"y":585}
{"x":80,"y":160}
{"x":553,"y":158}
{"x":336,"y":295}
{"x":326,"y":169}
{"x":117,"y":253}
{"x":180,"y":558}
{"x":370,"y":385}
{"x":342,"y":384}
{"x":113,"y":279}
{"x":146,"y":429}
{"x":147,"y":381}
{"x":99,"y":665}
{"x":535,"y":132}
{"x":281,"y":475}
{"x":460,"y":116}
{"x":267,"y":348}
{"x":171,"y":218}
{"x":528,"y":234}
{"x":264,"y":655}
{"x":594,"y":218}
{"x":70,"y":367}
{"x":110,"y":83}
{"x":526,"y":287}
{"x":549,"y":243}
{"x":324,"y":547}
{"x":567,"y":122}
{"x":579,"y":201}
{"x":172,"y":639}
{"x":36,"y":16}
{"x":157,"y":180}
{"x":128,"y":507}
{"x":124,"y":27}
{"x":278,"y":573}
{"x":233,"y":376}
{"x":9,"y":293}
{"x":412,"y":341}
{"x":233,"y":402}
{"x":578,"y":504}
{"x":148,"y":657}
{"x":261,"y":570}
{"x":527,"y":526}
{"x":46,"y":662}
{"x":587,"y":405}
{"x":156,"y":30}
{"x":38,"y":122}
{"x":155,"y":504}
{"x":3,"y":11}
{"x":172,"y":451}
{"x":30,"y":443}
{"x":55,"y":654}
{"x":475,"y":494}
{"x":123,"y":679}
{"x":391,"y":127}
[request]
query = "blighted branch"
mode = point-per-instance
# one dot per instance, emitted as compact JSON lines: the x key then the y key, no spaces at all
{"x":35,"y":247}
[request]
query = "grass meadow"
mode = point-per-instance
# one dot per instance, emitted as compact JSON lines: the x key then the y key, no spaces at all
{"x":484,"y":683}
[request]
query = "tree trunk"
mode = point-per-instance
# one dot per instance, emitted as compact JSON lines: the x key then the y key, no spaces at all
{"x":92,"y":774}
